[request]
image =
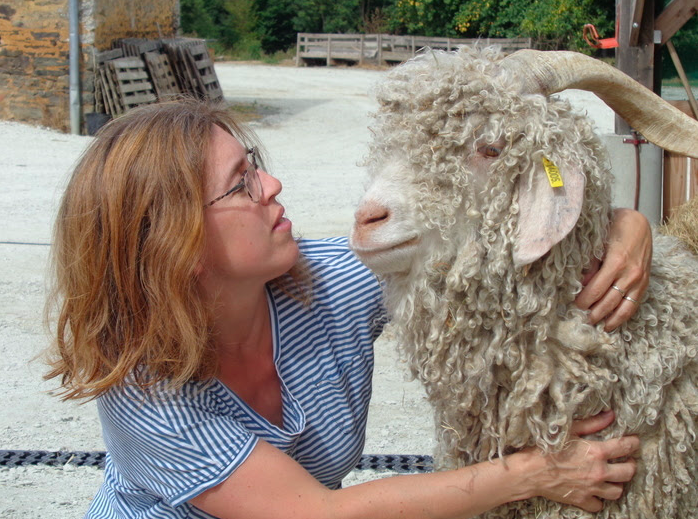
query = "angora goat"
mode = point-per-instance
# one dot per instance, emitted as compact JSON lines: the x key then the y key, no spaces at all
{"x":482,"y":259}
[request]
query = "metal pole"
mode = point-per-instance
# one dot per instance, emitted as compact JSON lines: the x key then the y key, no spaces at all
{"x":74,"y":64}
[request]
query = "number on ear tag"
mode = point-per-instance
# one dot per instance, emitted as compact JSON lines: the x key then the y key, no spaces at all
{"x":553,"y":173}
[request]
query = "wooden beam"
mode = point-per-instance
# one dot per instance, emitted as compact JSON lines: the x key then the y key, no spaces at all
{"x":674,"y":16}
{"x":684,"y":78}
{"x":636,"y":10}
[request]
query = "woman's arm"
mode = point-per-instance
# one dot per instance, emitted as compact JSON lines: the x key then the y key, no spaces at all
{"x":269,"y":484}
{"x":612,"y":286}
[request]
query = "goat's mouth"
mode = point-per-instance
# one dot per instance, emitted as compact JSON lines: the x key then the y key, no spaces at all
{"x":383,"y":248}
{"x":388,"y":258}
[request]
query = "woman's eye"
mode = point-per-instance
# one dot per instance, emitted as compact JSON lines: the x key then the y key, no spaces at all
{"x":489,"y":151}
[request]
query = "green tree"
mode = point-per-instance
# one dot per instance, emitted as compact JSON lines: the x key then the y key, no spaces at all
{"x":196,"y":19}
{"x":330,"y":16}
{"x":552,"y":24}
{"x":275,"y":24}
{"x":424,"y":17}
{"x":238,"y":19}
{"x":557,"y":24}
{"x":490,"y":18}
{"x":278,"y":21}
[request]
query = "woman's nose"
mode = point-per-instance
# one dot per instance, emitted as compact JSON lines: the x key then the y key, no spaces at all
{"x":271,"y":186}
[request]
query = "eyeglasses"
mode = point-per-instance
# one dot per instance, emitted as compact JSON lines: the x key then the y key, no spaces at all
{"x":250,"y":181}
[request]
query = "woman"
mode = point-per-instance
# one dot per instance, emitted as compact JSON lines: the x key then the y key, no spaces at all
{"x":231,"y":363}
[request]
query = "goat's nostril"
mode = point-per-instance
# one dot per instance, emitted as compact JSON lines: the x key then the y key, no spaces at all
{"x":378,"y":218}
{"x":372,"y":215}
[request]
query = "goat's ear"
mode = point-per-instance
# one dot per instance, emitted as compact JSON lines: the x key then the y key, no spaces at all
{"x":549,"y":207}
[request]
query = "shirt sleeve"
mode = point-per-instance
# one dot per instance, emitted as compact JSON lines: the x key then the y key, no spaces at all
{"x":172,"y":443}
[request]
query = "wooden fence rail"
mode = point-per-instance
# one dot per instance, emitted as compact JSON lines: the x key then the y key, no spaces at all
{"x":384,"y":48}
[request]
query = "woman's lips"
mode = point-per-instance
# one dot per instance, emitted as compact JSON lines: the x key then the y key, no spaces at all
{"x":284,"y":224}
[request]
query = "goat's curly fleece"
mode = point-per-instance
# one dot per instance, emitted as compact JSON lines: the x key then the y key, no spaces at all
{"x":506,"y":358}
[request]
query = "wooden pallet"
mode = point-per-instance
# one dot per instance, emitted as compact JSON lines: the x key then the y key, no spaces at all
{"x":107,"y":100}
{"x":201,"y":68}
{"x":194,"y":69}
{"x":132,"y":82}
{"x":101,"y":97}
{"x":107,"y":55}
{"x":136,"y":47}
{"x":151,"y":71}
{"x":161,"y":75}
{"x":124,"y":85}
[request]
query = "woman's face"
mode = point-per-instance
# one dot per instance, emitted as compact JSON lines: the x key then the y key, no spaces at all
{"x":246,"y":242}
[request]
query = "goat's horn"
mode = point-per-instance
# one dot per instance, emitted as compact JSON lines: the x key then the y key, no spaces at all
{"x":554,"y":71}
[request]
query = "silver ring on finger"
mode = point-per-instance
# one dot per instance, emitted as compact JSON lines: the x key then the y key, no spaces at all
{"x":616,"y":287}
{"x":631,"y":300}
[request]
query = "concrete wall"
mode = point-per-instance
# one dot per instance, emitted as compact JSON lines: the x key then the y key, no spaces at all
{"x":34,"y":50}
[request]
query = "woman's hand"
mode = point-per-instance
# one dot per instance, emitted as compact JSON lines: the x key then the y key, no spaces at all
{"x":614,"y":288}
{"x":581,"y":475}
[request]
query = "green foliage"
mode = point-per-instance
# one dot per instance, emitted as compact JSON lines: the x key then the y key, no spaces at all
{"x":557,"y":24}
{"x":269,"y":26}
{"x":686,"y":43}
{"x":332,"y":16}
{"x":275,"y":24}
{"x":552,"y":24}
{"x":228,"y":21}
{"x":196,"y":19}
{"x":424,"y":17}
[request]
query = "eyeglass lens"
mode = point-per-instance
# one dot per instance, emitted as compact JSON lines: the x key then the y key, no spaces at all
{"x":252,"y":182}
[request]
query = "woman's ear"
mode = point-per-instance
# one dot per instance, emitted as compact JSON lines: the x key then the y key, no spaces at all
{"x":198,"y":269}
{"x":549,"y":206}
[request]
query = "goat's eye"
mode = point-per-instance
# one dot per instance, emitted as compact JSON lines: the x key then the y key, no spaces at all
{"x":489,"y":151}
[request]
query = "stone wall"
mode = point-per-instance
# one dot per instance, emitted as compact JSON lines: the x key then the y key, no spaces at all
{"x":34,"y":62}
{"x":34,"y":50}
{"x":134,"y":19}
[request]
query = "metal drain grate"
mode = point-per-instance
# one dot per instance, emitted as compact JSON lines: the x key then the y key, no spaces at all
{"x":403,"y":463}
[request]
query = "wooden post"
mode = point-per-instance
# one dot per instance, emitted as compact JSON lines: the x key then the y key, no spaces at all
{"x":361,"y":55}
{"x":329,"y":50}
{"x":448,"y":44}
{"x":680,"y":174}
{"x":380,"y":49}
{"x":674,"y":16}
{"x":636,"y":9}
{"x":298,"y":49}
{"x":413,"y":49}
{"x":636,"y":61}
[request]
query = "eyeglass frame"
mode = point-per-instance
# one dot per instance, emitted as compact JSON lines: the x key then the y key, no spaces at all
{"x":251,"y":174}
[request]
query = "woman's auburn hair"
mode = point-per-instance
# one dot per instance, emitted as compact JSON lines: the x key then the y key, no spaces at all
{"x":127,"y":240}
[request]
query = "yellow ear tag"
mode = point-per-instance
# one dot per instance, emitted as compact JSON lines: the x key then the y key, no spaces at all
{"x":553,"y":173}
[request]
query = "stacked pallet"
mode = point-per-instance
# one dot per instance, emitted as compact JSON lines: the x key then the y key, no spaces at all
{"x":193,"y":68}
{"x":138,"y":71}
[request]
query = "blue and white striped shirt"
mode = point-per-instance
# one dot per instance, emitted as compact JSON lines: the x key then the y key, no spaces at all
{"x":167,"y":446}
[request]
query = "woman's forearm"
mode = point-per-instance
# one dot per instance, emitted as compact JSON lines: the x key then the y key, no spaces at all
{"x":465,"y":492}
{"x":269,"y":484}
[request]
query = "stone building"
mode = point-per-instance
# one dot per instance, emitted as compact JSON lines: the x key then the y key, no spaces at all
{"x":34,"y":50}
